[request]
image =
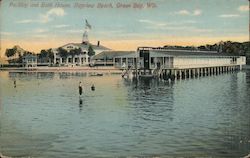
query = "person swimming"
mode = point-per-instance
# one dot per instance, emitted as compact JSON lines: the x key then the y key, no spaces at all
{"x":93,"y":87}
{"x":80,"y":88}
{"x":14,"y":83}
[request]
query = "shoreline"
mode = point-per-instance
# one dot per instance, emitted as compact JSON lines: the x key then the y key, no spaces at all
{"x":100,"y":69}
{"x":65,"y":69}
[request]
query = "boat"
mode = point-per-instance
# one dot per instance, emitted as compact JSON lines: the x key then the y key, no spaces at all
{"x":96,"y":74}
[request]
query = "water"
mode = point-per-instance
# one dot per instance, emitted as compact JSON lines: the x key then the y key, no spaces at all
{"x":43,"y":116}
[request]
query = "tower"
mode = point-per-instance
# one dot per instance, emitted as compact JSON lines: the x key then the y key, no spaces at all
{"x":85,"y":39}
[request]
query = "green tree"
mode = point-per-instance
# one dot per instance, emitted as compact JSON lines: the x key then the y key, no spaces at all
{"x":78,"y":51}
{"x":10,"y":52}
{"x":91,"y":52}
{"x":62,"y":52}
{"x":43,"y":53}
{"x":16,"y":50}
{"x":46,"y":55}
{"x":50,"y":55}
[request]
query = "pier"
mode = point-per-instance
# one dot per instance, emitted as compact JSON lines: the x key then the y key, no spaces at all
{"x":149,"y":62}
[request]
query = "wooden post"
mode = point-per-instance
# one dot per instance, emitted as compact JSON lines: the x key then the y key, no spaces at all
{"x":175,"y":74}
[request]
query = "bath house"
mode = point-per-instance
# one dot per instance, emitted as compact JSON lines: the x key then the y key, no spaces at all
{"x":177,"y":63}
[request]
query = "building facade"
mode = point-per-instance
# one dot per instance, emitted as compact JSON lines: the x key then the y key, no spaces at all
{"x":177,"y":64}
{"x":29,"y":60}
{"x":76,"y":54}
{"x":78,"y":59}
{"x":150,"y":58}
{"x":111,"y":58}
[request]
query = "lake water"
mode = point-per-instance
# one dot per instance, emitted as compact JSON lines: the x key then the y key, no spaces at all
{"x":201,"y":117}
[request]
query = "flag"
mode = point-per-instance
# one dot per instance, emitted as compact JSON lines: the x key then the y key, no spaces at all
{"x":88,"y":26}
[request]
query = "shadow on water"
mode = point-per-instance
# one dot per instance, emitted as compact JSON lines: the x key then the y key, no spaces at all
{"x":66,"y":75}
{"x":247,"y":78}
{"x":145,"y":114}
{"x":80,"y":104}
{"x":152,"y":99}
{"x":31,"y":75}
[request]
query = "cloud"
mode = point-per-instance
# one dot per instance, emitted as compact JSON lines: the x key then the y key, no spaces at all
{"x":197,"y":12}
{"x":25,"y":21}
{"x":184,"y":12}
{"x":60,"y":26}
{"x":164,"y":25}
{"x":175,"y":26}
{"x":155,"y":23}
{"x":45,"y":18}
{"x":7,"y":33}
{"x":39,"y":30}
{"x":229,"y":15}
{"x":243,"y":8}
{"x":52,"y":12}
{"x":39,"y":36}
{"x":74,"y":31}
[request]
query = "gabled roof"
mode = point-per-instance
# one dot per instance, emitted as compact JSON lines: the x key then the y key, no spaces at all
{"x":86,"y":46}
{"x":112,"y":54}
{"x":29,"y":56}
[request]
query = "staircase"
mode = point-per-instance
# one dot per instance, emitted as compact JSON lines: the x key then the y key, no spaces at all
{"x":127,"y":73}
{"x":157,"y":71}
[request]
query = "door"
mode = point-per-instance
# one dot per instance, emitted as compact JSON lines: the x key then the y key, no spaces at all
{"x":146,"y":60}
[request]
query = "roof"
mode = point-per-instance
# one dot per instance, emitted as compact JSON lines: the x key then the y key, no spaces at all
{"x":185,"y":52}
{"x":86,"y":46}
{"x":30,"y":56}
{"x":178,"y":52}
{"x":112,"y":54}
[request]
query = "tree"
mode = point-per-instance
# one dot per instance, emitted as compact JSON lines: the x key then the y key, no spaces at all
{"x":63,"y":53}
{"x":16,"y":50}
{"x":46,"y":55}
{"x":78,"y":51}
{"x":10,"y":52}
{"x":72,"y":53}
{"x":91,"y":52}
{"x":50,"y":55}
{"x":43,"y":53}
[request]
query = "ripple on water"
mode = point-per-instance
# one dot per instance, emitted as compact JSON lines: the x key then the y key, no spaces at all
{"x":203,"y":117}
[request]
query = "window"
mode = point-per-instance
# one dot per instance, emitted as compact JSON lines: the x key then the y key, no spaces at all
{"x":152,"y":60}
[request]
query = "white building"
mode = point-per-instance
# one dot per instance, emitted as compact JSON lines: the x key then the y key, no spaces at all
{"x":29,"y":60}
{"x":80,"y":59}
{"x":178,"y":63}
{"x":185,"y":59}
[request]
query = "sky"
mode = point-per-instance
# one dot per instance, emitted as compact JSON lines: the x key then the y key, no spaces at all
{"x":121,"y":24}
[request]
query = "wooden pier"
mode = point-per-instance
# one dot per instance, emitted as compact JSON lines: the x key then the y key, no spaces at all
{"x":179,"y":64}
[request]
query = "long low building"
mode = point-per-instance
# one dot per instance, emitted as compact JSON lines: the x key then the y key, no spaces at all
{"x":112,"y":58}
{"x":178,"y":63}
{"x":182,"y":59}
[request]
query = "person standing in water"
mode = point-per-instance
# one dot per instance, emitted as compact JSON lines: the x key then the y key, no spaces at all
{"x":93,"y":87}
{"x":80,"y":88}
{"x":15,"y":83}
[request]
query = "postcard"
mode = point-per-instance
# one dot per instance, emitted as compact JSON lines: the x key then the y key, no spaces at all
{"x":124,"y":78}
